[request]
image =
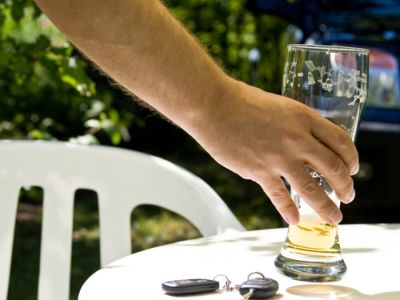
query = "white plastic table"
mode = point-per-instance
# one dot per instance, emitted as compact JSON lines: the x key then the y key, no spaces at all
{"x":371,"y":252}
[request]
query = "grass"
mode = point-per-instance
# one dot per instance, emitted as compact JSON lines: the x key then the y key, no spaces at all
{"x":151,"y":227}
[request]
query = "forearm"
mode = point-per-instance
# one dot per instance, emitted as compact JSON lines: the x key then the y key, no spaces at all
{"x":141,"y":46}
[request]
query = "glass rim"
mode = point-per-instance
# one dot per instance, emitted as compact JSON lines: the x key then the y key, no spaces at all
{"x":330,"y":48}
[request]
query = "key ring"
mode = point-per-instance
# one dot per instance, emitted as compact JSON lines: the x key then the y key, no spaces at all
{"x":257,"y":273}
{"x":227,"y":286}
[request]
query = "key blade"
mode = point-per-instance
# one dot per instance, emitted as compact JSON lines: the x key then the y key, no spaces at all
{"x":248,"y":295}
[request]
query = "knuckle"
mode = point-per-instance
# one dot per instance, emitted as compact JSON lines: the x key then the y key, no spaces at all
{"x":285,"y":209}
{"x":309,"y":187}
{"x":344,"y":139}
{"x":325,"y":208}
{"x":336,"y":167}
{"x":259,"y":174}
{"x":247,"y":174}
{"x":349,"y":150}
{"x":279,"y":195}
{"x":292,"y":138}
{"x":346,"y":187}
{"x":302,"y":112}
{"x":276,"y":156}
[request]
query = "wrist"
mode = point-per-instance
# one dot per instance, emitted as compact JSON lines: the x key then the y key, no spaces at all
{"x":216,"y":101}
{"x":218,"y":108}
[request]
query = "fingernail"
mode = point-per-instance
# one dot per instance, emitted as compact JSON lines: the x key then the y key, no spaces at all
{"x":292,"y":218}
{"x":355,"y":169}
{"x":335,"y":217}
{"x":352,"y":196}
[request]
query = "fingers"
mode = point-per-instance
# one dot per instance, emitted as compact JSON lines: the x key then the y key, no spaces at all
{"x":338,"y":140}
{"x":309,"y":190}
{"x":279,"y":196}
{"x":336,"y":172}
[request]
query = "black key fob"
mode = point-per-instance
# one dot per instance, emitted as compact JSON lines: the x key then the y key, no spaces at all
{"x":261,"y":288}
{"x":190,"y":286}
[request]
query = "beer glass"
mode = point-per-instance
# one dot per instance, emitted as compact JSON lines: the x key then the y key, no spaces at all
{"x":332,"y":80}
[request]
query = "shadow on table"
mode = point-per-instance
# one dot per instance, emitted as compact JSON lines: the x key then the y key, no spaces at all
{"x":337,"y":292}
{"x":390,"y":226}
{"x":357,"y":250}
{"x":217,"y":296}
{"x":254,"y":243}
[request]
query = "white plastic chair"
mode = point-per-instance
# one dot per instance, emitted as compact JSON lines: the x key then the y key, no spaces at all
{"x":123,"y":179}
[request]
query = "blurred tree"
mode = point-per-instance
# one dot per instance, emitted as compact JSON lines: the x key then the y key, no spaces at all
{"x":44,"y":87}
{"x":232,"y":35}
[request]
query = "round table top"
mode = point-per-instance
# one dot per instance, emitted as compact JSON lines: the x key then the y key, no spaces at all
{"x":371,"y":253}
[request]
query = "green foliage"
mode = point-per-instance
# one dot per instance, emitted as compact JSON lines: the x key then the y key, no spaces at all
{"x":45,"y":89}
{"x":229,"y":31}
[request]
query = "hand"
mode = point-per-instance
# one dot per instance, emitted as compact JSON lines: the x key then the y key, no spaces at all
{"x":263,"y":137}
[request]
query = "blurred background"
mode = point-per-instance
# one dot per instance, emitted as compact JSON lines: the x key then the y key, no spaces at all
{"x":48,"y":91}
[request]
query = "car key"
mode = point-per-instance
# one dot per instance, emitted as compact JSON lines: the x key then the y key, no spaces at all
{"x":190,"y":286}
{"x":258,"y":288}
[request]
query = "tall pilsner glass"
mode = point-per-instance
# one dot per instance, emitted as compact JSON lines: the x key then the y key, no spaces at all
{"x":332,"y":80}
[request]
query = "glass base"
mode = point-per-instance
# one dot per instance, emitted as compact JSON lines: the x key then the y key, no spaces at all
{"x":311,"y":271}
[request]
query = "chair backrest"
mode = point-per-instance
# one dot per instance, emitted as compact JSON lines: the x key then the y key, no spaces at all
{"x":123,"y":179}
